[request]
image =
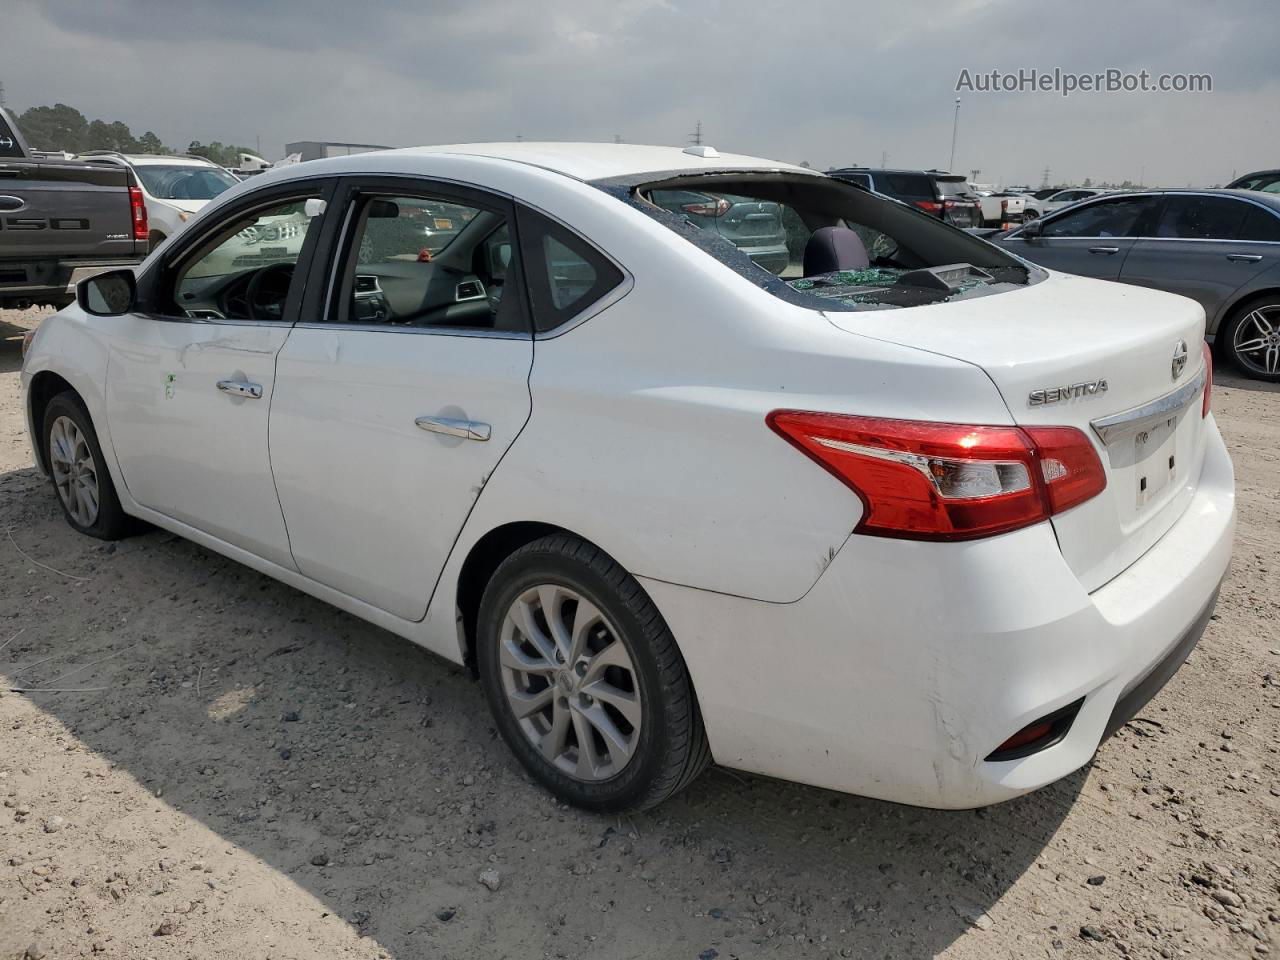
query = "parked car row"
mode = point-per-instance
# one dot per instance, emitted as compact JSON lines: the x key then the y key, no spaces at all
{"x":1221,"y":248}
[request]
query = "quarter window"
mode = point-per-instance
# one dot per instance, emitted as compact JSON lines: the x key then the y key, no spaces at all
{"x":246,"y":270}
{"x":1201,"y":218}
{"x":1262,"y":225}
{"x":567,"y":275}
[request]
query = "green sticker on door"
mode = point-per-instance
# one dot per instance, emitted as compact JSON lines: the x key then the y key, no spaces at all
{"x":169,"y":380}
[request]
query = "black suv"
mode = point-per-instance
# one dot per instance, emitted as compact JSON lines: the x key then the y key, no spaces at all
{"x":946,"y":195}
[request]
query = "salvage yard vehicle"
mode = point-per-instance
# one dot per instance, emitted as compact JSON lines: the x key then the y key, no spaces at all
{"x":946,"y":196}
{"x":926,"y":524}
{"x":174,"y":188}
{"x":1218,"y":247}
{"x":61,"y":220}
{"x":1039,"y":206}
{"x":1002,"y":207}
{"x":1268,"y":181}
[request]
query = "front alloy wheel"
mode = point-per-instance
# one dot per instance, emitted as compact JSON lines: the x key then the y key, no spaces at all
{"x":1255,"y":341}
{"x":75,"y":476}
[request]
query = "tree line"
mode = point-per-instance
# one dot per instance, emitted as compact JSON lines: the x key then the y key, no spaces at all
{"x":62,"y":127}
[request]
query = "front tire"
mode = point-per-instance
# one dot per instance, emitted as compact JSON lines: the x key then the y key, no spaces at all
{"x":584,"y":679}
{"x":1251,"y":338}
{"x":79,"y":472}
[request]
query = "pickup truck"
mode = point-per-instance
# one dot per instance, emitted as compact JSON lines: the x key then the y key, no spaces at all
{"x":1001,"y":206}
{"x":61,"y":221}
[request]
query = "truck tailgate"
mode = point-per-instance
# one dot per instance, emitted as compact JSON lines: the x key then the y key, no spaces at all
{"x":65,"y":209}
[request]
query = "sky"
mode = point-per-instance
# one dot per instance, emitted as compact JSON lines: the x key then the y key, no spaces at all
{"x":830,"y":82}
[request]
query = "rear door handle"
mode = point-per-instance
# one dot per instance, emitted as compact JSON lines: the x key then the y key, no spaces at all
{"x":241,"y":388}
{"x":1104,"y":250}
{"x":466,"y":429}
{"x":1244,"y":257}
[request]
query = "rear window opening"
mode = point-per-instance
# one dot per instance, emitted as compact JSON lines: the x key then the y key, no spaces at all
{"x":824,"y":244}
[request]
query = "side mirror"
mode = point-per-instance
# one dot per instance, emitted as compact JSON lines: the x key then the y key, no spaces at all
{"x":108,"y":294}
{"x":1031,"y":229}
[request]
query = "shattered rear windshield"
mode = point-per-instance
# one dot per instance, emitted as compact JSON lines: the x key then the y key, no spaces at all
{"x":823,"y":244}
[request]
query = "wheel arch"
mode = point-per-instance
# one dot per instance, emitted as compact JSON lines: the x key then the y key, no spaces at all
{"x":483,"y":559}
{"x":45,"y":385}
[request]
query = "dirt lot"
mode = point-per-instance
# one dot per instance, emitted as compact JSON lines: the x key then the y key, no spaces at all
{"x":251,"y":774}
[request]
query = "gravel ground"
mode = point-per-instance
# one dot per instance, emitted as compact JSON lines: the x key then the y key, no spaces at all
{"x":252,"y":774}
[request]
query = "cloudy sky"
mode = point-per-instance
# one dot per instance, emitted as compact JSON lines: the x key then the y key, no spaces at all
{"x":815,"y":80}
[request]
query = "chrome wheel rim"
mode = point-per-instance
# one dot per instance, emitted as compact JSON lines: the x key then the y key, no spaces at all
{"x":74,"y":472}
{"x":1256,"y":342}
{"x":570,"y":682}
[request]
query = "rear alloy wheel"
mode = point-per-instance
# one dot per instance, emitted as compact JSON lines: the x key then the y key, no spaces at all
{"x":584,"y":678}
{"x":1252,"y":339}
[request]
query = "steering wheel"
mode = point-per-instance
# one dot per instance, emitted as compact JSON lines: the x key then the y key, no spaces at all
{"x":273,"y":309}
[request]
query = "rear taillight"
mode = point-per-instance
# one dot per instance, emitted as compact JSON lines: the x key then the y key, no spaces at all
{"x":1208,"y":380}
{"x":947,"y":481}
{"x":713,"y":207}
{"x":139,"y":210}
{"x":929,"y":206}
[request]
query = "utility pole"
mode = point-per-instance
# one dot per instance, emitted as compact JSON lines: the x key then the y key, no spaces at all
{"x":1044,"y":178}
{"x":617,"y":138}
{"x":696,"y":137}
{"x":884,"y":159}
{"x":955,"y":127}
{"x":973,"y":175}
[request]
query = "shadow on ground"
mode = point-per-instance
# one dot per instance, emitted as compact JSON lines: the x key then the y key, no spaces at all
{"x":295,"y":731}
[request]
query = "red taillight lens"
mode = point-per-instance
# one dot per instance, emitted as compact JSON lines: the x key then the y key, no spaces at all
{"x":139,"y":209}
{"x":1208,"y":380}
{"x":713,"y":207}
{"x":929,"y":206}
{"x":947,"y":481}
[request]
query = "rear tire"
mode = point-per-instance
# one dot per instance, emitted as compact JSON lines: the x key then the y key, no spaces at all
{"x":585,"y":680}
{"x":1250,"y":338}
{"x":78,"y":471}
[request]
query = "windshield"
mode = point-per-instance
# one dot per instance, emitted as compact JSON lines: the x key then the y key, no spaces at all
{"x":165,"y":182}
{"x":820,"y":243}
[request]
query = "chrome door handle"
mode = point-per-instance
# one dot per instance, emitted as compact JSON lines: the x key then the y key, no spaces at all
{"x":466,"y":429}
{"x":1107,"y":250}
{"x":241,"y":388}
{"x":1244,"y":257}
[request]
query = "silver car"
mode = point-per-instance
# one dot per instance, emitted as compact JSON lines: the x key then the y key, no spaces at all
{"x":1220,"y":247}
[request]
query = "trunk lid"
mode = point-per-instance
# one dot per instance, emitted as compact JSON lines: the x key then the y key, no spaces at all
{"x":1099,"y":356}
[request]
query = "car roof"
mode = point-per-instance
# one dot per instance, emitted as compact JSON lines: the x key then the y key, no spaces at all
{"x":923,"y":173}
{"x":1271,"y":200}
{"x":588,"y":161}
{"x":143,"y":159}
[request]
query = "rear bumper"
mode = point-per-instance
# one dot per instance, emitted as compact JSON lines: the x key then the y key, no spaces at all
{"x":907,"y":664}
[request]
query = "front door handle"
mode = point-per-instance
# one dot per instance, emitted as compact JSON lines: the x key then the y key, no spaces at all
{"x":1104,"y":250}
{"x":241,"y":388}
{"x":1244,"y":257}
{"x":466,"y":429}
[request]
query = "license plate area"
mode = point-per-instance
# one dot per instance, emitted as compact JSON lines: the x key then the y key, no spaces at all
{"x":1155,"y":462}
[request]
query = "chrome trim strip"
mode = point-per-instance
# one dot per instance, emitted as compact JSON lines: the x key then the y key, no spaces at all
{"x":1140,"y":417}
{"x":441,"y":331}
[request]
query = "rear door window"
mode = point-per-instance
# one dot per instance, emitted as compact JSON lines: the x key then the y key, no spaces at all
{"x":1201,"y":218}
{"x":1106,"y":218}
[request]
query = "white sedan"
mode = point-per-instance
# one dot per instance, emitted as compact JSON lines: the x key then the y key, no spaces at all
{"x":926,"y":523}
